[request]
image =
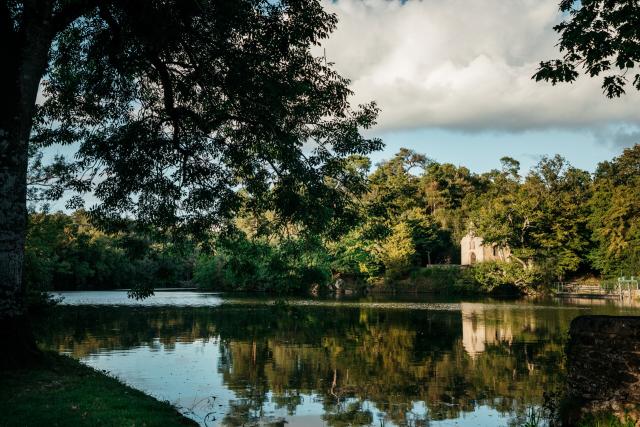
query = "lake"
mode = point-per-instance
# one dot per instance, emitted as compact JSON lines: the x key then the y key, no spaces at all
{"x":231,"y":361}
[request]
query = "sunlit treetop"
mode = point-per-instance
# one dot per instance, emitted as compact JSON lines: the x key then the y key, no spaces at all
{"x":598,"y":38}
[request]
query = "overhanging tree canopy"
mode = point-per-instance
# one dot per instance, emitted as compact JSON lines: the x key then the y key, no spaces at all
{"x":174,"y":107}
{"x":603,"y":38}
{"x":177,"y":105}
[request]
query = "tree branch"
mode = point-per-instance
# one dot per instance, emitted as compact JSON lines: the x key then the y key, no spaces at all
{"x":71,"y":11}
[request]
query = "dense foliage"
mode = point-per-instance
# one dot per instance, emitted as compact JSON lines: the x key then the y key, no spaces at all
{"x":615,"y":215}
{"x":184,"y":103}
{"x":67,"y":252}
{"x":241,"y":264}
{"x":559,"y":222}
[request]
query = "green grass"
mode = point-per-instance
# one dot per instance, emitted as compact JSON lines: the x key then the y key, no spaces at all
{"x":606,"y":419}
{"x":63,"y":392}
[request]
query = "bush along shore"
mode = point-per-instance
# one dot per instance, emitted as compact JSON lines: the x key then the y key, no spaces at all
{"x":61,"y":391}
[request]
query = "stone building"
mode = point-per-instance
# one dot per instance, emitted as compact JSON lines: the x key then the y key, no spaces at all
{"x":472,"y":250}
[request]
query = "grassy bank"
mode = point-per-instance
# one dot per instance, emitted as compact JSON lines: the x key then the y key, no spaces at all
{"x":62,"y":391}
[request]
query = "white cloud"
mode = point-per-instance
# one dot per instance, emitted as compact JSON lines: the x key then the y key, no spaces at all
{"x":464,"y":65}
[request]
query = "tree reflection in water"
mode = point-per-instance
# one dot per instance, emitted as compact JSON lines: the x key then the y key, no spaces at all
{"x":350,"y":359}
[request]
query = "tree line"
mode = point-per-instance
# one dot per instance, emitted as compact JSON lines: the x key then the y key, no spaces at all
{"x":559,"y":222}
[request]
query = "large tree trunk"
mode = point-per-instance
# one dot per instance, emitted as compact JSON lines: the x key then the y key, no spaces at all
{"x":15,"y":335}
{"x":24,"y":63}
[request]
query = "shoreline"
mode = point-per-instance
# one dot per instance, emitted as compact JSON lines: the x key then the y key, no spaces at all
{"x":62,"y":391}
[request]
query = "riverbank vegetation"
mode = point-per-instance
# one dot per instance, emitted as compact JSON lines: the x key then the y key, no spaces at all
{"x":559,"y":223}
{"x":62,"y":391}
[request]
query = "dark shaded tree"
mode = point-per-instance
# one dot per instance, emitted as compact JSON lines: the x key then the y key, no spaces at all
{"x":173,"y":107}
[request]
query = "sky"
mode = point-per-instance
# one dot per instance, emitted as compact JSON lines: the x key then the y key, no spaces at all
{"x":453,"y":81}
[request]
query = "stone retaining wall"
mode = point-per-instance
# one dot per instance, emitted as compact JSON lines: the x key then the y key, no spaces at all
{"x":603,"y":362}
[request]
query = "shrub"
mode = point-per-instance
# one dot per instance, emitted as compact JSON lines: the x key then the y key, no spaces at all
{"x":240,"y":264}
{"x":491,"y":275}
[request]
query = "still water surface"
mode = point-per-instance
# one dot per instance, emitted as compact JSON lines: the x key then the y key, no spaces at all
{"x":227,"y":361}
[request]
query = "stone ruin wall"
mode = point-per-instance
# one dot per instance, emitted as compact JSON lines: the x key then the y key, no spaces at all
{"x":603,"y":363}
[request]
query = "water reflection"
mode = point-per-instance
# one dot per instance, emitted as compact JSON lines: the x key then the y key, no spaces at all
{"x":236,"y":364}
{"x":160,"y":298}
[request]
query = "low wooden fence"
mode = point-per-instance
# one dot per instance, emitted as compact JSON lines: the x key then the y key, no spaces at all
{"x":622,"y":287}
